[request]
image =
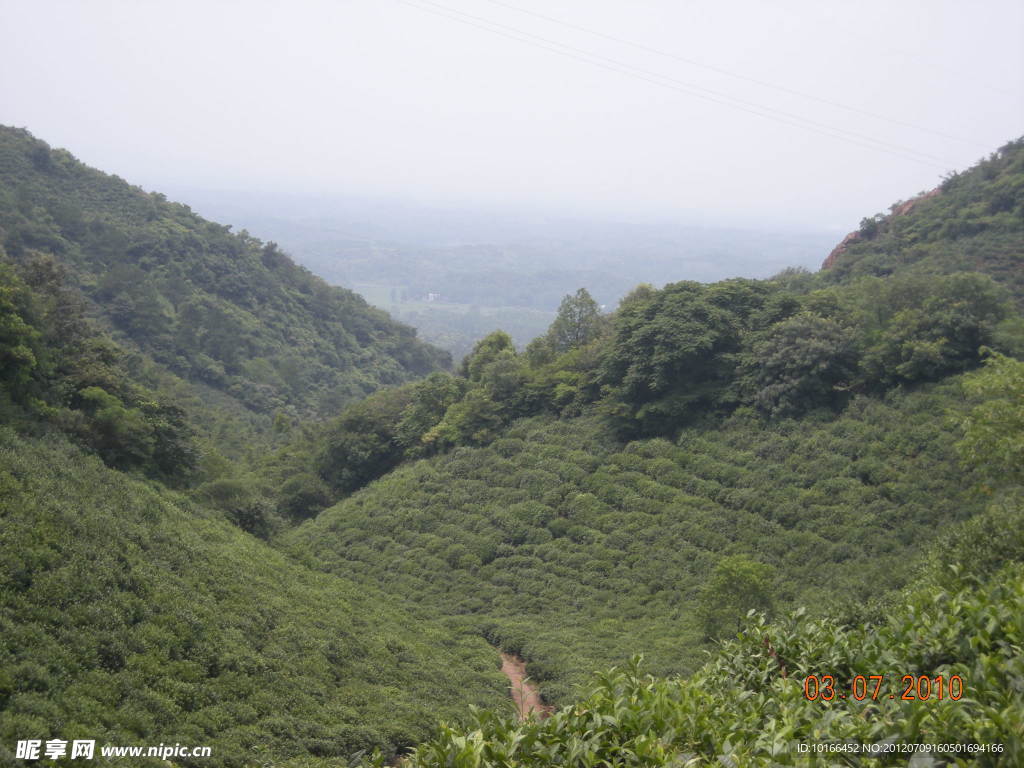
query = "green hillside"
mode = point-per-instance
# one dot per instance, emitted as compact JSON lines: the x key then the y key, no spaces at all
{"x":134,"y":613}
{"x":576,"y":551}
{"x":221,"y":309}
{"x":804,"y":691}
{"x":130,"y":615}
{"x":973,"y":221}
{"x":932,"y":675}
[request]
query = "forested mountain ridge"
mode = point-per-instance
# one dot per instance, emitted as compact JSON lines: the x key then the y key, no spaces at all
{"x":225,"y":310}
{"x":973,"y":221}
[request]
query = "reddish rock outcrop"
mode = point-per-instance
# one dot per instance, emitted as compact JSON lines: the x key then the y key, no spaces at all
{"x":840,"y":249}
{"x":904,"y":208}
{"x":900,"y":209}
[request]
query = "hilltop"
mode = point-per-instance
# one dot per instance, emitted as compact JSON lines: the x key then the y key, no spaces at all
{"x":973,"y":221}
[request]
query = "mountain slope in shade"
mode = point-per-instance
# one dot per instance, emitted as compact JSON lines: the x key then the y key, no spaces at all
{"x":215,"y":307}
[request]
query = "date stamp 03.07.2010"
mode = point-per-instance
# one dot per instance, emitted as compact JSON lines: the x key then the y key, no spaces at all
{"x":881,"y":687}
{"x":827,"y":688}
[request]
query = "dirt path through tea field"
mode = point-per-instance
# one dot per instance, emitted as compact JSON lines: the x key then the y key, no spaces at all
{"x":524,"y":693}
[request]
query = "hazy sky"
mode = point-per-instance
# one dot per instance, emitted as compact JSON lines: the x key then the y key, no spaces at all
{"x":486,"y":102}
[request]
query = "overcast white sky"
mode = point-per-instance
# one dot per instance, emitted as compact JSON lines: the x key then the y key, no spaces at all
{"x":433,"y":102}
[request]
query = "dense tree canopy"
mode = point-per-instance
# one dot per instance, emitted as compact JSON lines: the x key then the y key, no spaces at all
{"x":735,"y":586}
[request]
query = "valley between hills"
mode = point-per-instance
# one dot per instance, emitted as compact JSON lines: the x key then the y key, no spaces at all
{"x":244,"y":508}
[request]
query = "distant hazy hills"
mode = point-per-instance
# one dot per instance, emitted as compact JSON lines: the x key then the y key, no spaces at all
{"x":457,"y":275}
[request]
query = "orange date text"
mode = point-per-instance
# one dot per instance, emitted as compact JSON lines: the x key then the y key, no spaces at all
{"x":880,"y":687}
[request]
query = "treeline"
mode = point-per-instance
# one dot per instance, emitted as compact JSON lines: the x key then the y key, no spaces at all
{"x":668,"y":359}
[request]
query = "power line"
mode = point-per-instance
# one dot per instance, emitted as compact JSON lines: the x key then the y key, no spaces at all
{"x":951,"y":71}
{"x":715,"y":95}
{"x":682,"y":87}
{"x":730,"y":73}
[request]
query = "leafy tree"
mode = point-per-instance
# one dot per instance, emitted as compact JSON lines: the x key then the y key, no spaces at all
{"x":673,"y":355}
{"x":800,"y":363}
{"x":362,"y":444}
{"x":475,"y":420}
{"x":243,"y":505}
{"x":931,"y":327}
{"x":431,"y":398}
{"x":578,"y":322}
{"x":736,"y":585}
{"x":505,"y":382}
{"x":643,"y":292}
{"x":493,"y":346}
{"x":539,"y":352}
{"x":19,"y":341}
{"x":993,"y":441}
{"x":869,"y":225}
{"x":174,"y":454}
{"x":118,"y":433}
{"x":302,"y":496}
